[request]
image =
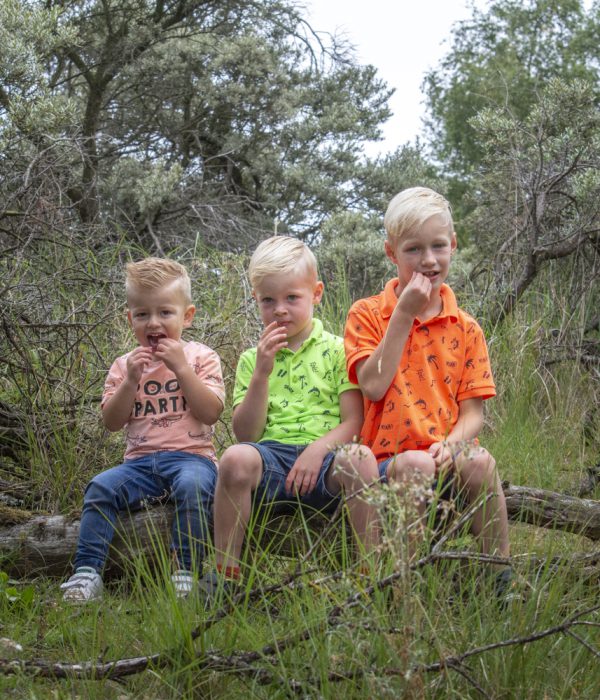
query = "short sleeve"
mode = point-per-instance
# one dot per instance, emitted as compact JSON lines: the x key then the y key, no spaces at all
{"x":476,"y":380}
{"x":343,"y":383}
{"x":207,"y":365}
{"x":243,"y":375}
{"x":362,"y":335}
{"x":114,"y":378}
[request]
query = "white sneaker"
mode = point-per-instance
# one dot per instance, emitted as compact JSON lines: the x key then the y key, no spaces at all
{"x":183,"y":583}
{"x":84,"y":586}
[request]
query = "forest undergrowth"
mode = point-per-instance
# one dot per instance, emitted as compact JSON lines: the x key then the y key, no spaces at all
{"x":326,"y":621}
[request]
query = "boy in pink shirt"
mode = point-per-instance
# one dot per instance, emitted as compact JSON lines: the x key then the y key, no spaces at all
{"x":166,"y":395}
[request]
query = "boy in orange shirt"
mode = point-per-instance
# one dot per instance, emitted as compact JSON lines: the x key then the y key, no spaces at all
{"x":424,"y":371}
{"x":166,"y":394}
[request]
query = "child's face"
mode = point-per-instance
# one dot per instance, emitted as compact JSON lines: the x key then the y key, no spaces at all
{"x":289,"y":299}
{"x":427,"y":251}
{"x":158,"y":313}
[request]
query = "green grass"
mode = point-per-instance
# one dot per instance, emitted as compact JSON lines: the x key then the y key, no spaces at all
{"x":294,"y":640}
{"x":321,"y":617}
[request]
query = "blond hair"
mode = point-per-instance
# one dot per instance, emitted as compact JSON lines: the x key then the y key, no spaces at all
{"x":153,"y":273}
{"x":281,"y":255}
{"x":411,"y":208}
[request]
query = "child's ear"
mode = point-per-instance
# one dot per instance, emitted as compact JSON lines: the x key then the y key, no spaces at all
{"x":129,"y":319}
{"x":188,"y":316}
{"x":453,"y":242}
{"x":389,"y":251}
{"x":318,"y":292}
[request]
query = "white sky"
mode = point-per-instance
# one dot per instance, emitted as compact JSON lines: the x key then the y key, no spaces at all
{"x":403,"y":39}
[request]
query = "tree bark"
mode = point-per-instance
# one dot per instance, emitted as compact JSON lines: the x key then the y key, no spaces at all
{"x":553,"y":510}
{"x":41,"y":544}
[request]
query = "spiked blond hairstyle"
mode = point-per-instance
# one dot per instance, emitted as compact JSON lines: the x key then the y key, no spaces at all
{"x":153,"y":273}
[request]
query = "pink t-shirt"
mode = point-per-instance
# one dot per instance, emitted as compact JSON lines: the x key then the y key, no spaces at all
{"x":160,"y":419}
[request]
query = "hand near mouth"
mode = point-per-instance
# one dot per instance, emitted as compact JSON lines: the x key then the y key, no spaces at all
{"x":137,"y":361}
{"x":170,"y":351}
{"x":415,"y":297}
{"x":273,"y":339}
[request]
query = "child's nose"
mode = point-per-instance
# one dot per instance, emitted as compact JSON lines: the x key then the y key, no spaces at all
{"x":428,"y":256}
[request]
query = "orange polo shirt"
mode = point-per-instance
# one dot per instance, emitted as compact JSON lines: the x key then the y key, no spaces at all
{"x":445,"y":361}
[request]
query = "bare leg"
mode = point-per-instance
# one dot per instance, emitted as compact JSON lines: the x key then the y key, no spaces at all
{"x":413,"y":470}
{"x":478,"y":475}
{"x":240,"y":471}
{"x":353,"y":469}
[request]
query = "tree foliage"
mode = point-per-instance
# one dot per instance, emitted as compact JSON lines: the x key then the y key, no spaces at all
{"x":538,"y":199}
{"x":350,"y":249}
{"x":179,"y":127}
{"x":183,"y":120}
{"x":502,"y":58}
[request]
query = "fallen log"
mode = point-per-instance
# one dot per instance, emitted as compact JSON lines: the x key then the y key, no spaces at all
{"x":552,"y":510}
{"x":44,"y":544}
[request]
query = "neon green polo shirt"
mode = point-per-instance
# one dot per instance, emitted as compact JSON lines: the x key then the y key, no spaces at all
{"x":304,"y":388}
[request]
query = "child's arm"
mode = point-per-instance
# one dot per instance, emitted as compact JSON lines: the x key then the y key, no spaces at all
{"x":467,"y":427}
{"x":375,"y":374}
{"x":116,"y":411}
{"x":250,"y":415}
{"x":203,"y":403}
{"x":303,"y":475}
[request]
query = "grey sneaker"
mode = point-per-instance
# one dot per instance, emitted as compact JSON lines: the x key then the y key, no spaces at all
{"x":216,"y":588}
{"x":505,"y":589}
{"x":183,"y":583}
{"x":84,"y":586}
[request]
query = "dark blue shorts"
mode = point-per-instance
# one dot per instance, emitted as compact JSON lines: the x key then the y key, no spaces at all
{"x":278,"y":458}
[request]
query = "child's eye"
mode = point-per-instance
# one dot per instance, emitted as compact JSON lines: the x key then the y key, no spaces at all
{"x":266,"y":300}
{"x":292,"y":297}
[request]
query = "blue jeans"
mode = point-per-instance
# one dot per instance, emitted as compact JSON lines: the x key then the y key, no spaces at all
{"x":188,"y":478}
{"x":278,"y":459}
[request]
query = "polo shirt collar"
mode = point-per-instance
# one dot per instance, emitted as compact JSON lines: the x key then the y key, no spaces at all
{"x":389,"y":301}
{"x":315,"y":334}
{"x":317,"y":331}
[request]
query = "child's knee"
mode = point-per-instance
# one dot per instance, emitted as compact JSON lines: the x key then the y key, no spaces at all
{"x":99,"y":490}
{"x":411,"y":465}
{"x":477,"y":470}
{"x":194,"y":488}
{"x":240,"y":466}
{"x":356,"y":462}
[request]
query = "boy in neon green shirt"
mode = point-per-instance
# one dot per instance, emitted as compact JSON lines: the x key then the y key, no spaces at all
{"x":293,"y":404}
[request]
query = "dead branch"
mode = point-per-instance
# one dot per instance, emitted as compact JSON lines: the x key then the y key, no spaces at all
{"x":554,"y":510}
{"x":45,"y":543}
{"x":240,"y":663}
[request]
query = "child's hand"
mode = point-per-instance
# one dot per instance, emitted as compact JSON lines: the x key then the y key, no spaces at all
{"x":442,"y":455}
{"x":170,"y":352}
{"x":415,"y":296}
{"x":272,"y":339}
{"x":136,"y":362}
{"x":303,"y":476}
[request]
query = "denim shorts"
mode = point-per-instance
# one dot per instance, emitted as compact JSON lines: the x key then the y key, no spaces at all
{"x":278,"y":458}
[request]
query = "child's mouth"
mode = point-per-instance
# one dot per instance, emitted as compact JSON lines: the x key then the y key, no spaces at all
{"x":154,"y":340}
